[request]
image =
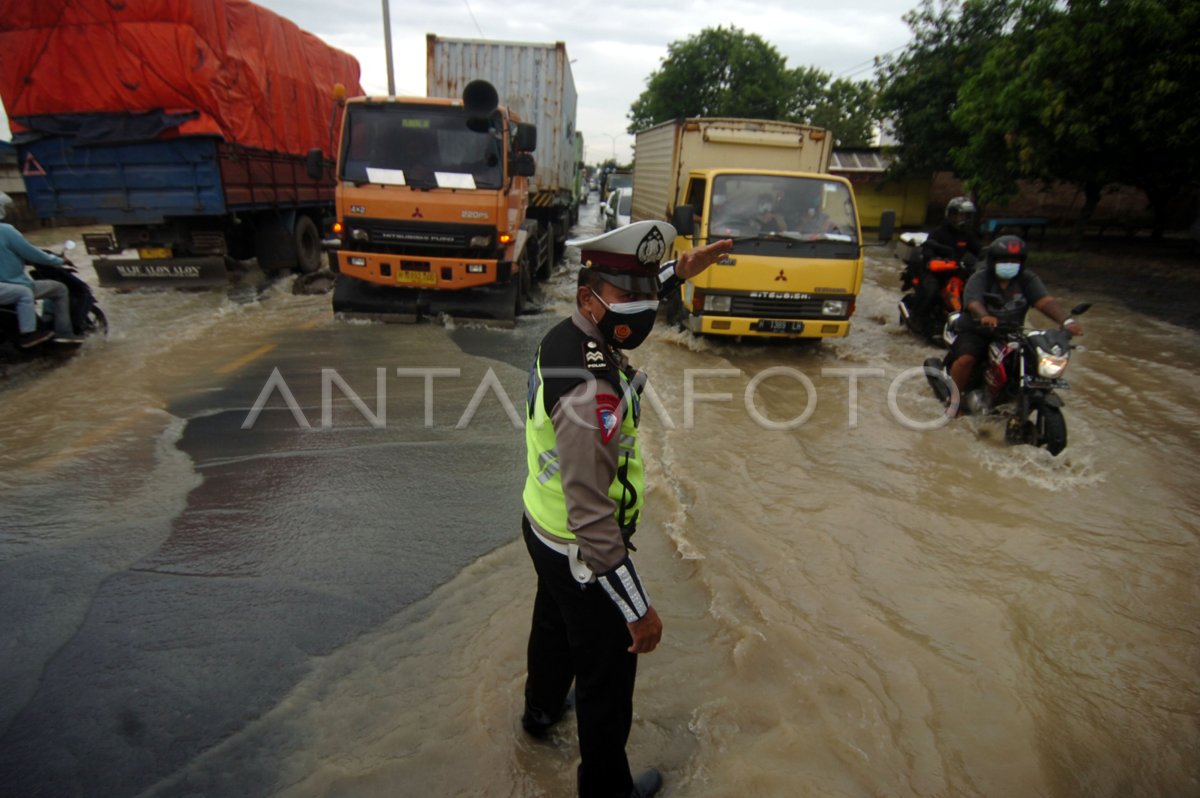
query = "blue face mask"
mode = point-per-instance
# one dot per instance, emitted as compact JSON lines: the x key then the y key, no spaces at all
{"x":1007,"y":271}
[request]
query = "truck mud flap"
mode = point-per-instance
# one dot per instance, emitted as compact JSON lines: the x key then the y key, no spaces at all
{"x":355,"y":299}
{"x":209,"y":272}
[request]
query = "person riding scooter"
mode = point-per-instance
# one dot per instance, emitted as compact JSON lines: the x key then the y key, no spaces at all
{"x":17,"y":288}
{"x":999,"y":295}
{"x":955,"y":239}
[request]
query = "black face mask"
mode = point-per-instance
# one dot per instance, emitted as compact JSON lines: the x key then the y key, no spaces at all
{"x":626,"y":324}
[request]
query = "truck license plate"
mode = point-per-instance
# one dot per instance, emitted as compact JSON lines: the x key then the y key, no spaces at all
{"x":416,"y":278}
{"x":779,"y":326}
{"x":154,"y":253}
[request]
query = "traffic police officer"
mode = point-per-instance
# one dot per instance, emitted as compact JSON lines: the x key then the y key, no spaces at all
{"x":592,"y":615}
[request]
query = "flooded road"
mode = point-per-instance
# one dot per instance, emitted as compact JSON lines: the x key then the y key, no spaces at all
{"x":329,"y":598}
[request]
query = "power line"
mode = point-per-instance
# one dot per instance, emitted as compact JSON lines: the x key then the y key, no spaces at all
{"x":864,"y":66}
{"x":467,"y":3}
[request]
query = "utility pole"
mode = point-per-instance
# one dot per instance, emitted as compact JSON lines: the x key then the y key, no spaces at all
{"x":387,"y":47}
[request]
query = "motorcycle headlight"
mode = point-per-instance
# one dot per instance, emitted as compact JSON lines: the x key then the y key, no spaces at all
{"x":834,"y":307}
{"x":718,"y":304}
{"x":1051,"y":366}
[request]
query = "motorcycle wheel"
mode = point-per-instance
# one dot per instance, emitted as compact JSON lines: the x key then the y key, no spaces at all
{"x":1052,"y":427}
{"x":97,"y":322}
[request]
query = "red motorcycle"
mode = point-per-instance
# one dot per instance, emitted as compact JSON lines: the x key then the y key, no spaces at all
{"x":921,"y":264}
{"x":1023,"y":370}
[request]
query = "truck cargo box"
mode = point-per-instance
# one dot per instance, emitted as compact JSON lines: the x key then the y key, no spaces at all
{"x":666,"y":153}
{"x":533,"y":80}
{"x":143,"y":70}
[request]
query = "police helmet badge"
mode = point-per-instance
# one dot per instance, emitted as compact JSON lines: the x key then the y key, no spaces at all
{"x":651,"y":248}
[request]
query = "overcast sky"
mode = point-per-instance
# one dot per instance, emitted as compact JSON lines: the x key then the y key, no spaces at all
{"x":614,"y":44}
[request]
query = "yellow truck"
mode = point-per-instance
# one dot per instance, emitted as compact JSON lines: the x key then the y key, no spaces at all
{"x":796,"y":266}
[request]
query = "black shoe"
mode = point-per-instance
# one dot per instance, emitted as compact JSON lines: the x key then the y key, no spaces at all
{"x":28,"y":340}
{"x":647,"y":784}
{"x":537,"y":723}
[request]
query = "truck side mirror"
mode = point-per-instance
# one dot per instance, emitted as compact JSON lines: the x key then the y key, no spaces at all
{"x":523,"y":165}
{"x":314,"y":163}
{"x":682,"y":220}
{"x":526,"y":137}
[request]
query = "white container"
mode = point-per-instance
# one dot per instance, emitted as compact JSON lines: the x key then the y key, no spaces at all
{"x":533,"y":80}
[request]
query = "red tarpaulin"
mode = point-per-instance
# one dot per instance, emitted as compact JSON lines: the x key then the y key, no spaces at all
{"x":254,"y":78}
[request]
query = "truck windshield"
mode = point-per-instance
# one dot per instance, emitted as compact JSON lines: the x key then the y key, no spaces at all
{"x":420,"y":146}
{"x":790,"y":209}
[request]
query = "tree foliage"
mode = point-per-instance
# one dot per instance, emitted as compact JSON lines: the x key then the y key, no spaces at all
{"x":727,"y":72}
{"x":918,"y":89}
{"x":1091,"y":92}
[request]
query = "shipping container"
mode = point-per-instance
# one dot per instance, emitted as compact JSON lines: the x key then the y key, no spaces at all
{"x":534,"y":82}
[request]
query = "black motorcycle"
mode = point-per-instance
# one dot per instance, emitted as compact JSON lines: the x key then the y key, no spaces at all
{"x":925,"y":262}
{"x":87,"y":317}
{"x":1023,"y":370}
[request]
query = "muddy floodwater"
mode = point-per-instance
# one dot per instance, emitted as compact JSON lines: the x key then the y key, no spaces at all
{"x":858,"y":600}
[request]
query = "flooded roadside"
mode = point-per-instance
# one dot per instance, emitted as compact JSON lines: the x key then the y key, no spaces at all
{"x":851,"y":606}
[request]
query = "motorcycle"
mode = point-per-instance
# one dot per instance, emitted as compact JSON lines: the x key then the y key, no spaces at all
{"x":924,"y":260}
{"x":1023,"y":370}
{"x":86,"y":315}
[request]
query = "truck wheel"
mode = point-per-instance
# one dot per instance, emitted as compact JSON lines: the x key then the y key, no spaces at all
{"x":541,"y":255}
{"x":308,"y":245}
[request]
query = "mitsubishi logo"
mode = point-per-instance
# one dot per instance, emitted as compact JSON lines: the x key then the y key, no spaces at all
{"x":417,"y":214}
{"x":1014,"y":247}
{"x":782,"y":277}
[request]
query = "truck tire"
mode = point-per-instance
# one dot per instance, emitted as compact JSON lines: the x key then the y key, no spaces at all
{"x":308,"y":245}
{"x":542,"y":255}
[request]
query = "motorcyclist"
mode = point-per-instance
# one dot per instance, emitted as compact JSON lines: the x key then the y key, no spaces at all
{"x":17,"y":288}
{"x":999,"y":294}
{"x":956,"y":239}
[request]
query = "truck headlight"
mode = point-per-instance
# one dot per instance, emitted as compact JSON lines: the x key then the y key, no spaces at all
{"x":476,"y":268}
{"x":834,"y":307}
{"x":360,"y":234}
{"x":357,"y":261}
{"x":479,"y":242}
{"x":717,"y":303}
{"x":1051,"y":366}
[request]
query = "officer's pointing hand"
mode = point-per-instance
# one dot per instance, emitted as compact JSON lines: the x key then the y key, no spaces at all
{"x":694,"y":261}
{"x":646,"y":632}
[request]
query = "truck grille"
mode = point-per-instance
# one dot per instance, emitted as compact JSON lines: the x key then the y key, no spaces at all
{"x":429,"y":240}
{"x":780,"y":308}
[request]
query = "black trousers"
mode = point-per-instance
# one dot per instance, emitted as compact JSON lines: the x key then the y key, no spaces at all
{"x":578,"y":633}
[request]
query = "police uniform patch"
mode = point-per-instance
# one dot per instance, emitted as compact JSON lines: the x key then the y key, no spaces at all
{"x":607,"y":416}
{"x":651,"y":248}
{"x":594,"y":359}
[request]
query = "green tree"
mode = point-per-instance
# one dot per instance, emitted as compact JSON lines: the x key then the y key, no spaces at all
{"x":718,"y":72}
{"x":727,"y":72}
{"x":1095,"y":93}
{"x":918,"y":89}
{"x":848,"y":109}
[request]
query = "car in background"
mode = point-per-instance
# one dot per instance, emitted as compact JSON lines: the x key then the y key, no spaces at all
{"x":618,"y":208}
{"x":616,"y":180}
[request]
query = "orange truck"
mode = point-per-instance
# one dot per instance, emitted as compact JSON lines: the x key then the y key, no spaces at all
{"x":437,"y":211}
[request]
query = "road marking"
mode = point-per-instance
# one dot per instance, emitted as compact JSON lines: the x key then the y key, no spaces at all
{"x":229,"y":368}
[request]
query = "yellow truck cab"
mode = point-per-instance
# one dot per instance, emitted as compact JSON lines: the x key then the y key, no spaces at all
{"x":796,"y":267}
